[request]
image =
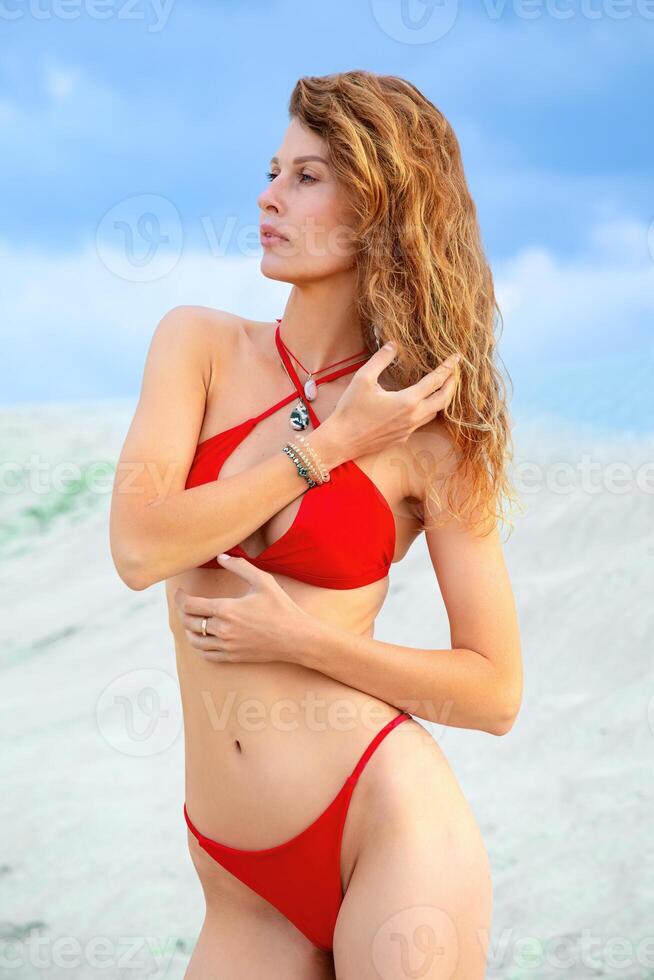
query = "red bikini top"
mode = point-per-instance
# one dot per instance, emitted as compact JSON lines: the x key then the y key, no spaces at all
{"x":343,"y":535}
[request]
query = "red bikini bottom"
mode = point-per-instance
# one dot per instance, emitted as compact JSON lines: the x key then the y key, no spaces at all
{"x":302,"y":876}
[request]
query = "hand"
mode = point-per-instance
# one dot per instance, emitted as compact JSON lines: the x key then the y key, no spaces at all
{"x":368,"y":418}
{"x":261,"y":626}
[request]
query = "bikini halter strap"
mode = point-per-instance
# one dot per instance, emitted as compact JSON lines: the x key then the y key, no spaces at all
{"x":292,"y":373}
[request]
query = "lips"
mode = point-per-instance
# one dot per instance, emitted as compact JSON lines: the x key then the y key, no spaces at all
{"x":270,"y":233}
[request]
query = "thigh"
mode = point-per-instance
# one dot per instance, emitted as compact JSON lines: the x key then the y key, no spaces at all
{"x":244,"y":936}
{"x":240,"y":945}
{"x":419,"y":900}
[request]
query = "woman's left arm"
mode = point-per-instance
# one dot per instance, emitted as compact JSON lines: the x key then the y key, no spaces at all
{"x":476,"y":684}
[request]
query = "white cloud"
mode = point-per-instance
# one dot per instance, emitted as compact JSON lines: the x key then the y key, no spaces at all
{"x":587,"y":306}
{"x":88,"y":320}
{"x":83,"y":322}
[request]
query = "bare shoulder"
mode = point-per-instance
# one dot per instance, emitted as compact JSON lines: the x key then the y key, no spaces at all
{"x":201,"y":322}
{"x":433,"y":449}
{"x":434,"y":456}
{"x":222,"y":326}
{"x":437,"y":458}
{"x":207,"y":335}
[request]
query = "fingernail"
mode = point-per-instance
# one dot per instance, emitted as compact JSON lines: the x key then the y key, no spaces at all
{"x":389,"y":346}
{"x":224,"y":557}
{"x":457,"y":357}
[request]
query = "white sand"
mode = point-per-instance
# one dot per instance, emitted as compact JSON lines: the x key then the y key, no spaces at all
{"x":95,"y":842}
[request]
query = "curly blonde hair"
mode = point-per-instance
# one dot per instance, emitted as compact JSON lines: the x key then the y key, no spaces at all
{"x":423,"y":280}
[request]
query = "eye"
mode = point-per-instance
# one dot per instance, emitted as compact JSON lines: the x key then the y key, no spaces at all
{"x":271,"y":176}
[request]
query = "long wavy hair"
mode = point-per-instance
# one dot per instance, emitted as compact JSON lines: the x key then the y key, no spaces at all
{"x":423,"y":280}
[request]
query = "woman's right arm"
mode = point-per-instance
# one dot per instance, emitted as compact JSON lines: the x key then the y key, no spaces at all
{"x":157,"y":527}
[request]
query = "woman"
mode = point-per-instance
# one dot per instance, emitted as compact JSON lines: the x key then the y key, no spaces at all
{"x":328,"y":832}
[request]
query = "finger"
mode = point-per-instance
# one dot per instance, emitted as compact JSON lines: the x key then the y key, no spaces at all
{"x":207,"y":647}
{"x":200,"y":642}
{"x":193,"y":624}
{"x":244,"y":568}
{"x":441,"y":398}
{"x":434,"y":380}
{"x":196,"y":605}
{"x":380,"y":360}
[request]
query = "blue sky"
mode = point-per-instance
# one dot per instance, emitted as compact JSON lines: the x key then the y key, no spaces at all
{"x":174,"y":109}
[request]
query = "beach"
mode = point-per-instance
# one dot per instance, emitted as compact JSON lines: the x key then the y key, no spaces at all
{"x":95,"y":865}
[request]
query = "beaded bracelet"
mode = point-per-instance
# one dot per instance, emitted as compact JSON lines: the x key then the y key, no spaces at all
{"x":302,"y":470}
{"x":308,"y":462}
{"x":322,"y":469}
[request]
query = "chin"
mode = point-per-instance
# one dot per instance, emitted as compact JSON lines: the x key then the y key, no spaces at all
{"x":280,"y":269}
{"x":280,"y":275}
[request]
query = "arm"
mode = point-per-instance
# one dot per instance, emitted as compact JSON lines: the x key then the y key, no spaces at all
{"x":157,"y":527}
{"x":478,"y":683}
{"x":457,"y":687}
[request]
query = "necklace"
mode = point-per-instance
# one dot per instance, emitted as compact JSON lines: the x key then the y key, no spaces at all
{"x":299,"y":417}
{"x":310,"y":387}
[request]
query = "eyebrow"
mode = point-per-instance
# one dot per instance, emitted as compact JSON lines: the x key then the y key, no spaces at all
{"x":302,"y":159}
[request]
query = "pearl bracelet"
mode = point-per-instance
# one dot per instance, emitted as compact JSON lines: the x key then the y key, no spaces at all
{"x":308,"y":462}
{"x":322,"y":469}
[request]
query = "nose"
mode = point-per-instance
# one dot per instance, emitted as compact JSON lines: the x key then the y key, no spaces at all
{"x":270,"y":197}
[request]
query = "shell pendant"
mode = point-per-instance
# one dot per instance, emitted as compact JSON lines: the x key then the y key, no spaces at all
{"x":299,"y":417}
{"x":310,"y":388}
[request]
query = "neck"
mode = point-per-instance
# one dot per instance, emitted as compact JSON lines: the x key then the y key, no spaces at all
{"x":319,"y":325}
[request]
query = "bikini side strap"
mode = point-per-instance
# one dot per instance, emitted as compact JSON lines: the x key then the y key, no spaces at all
{"x":356,"y":772}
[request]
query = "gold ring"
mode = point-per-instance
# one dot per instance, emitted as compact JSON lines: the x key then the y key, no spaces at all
{"x":204,"y":627}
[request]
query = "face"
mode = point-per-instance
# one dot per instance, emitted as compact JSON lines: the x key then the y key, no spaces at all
{"x":306,"y":205}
